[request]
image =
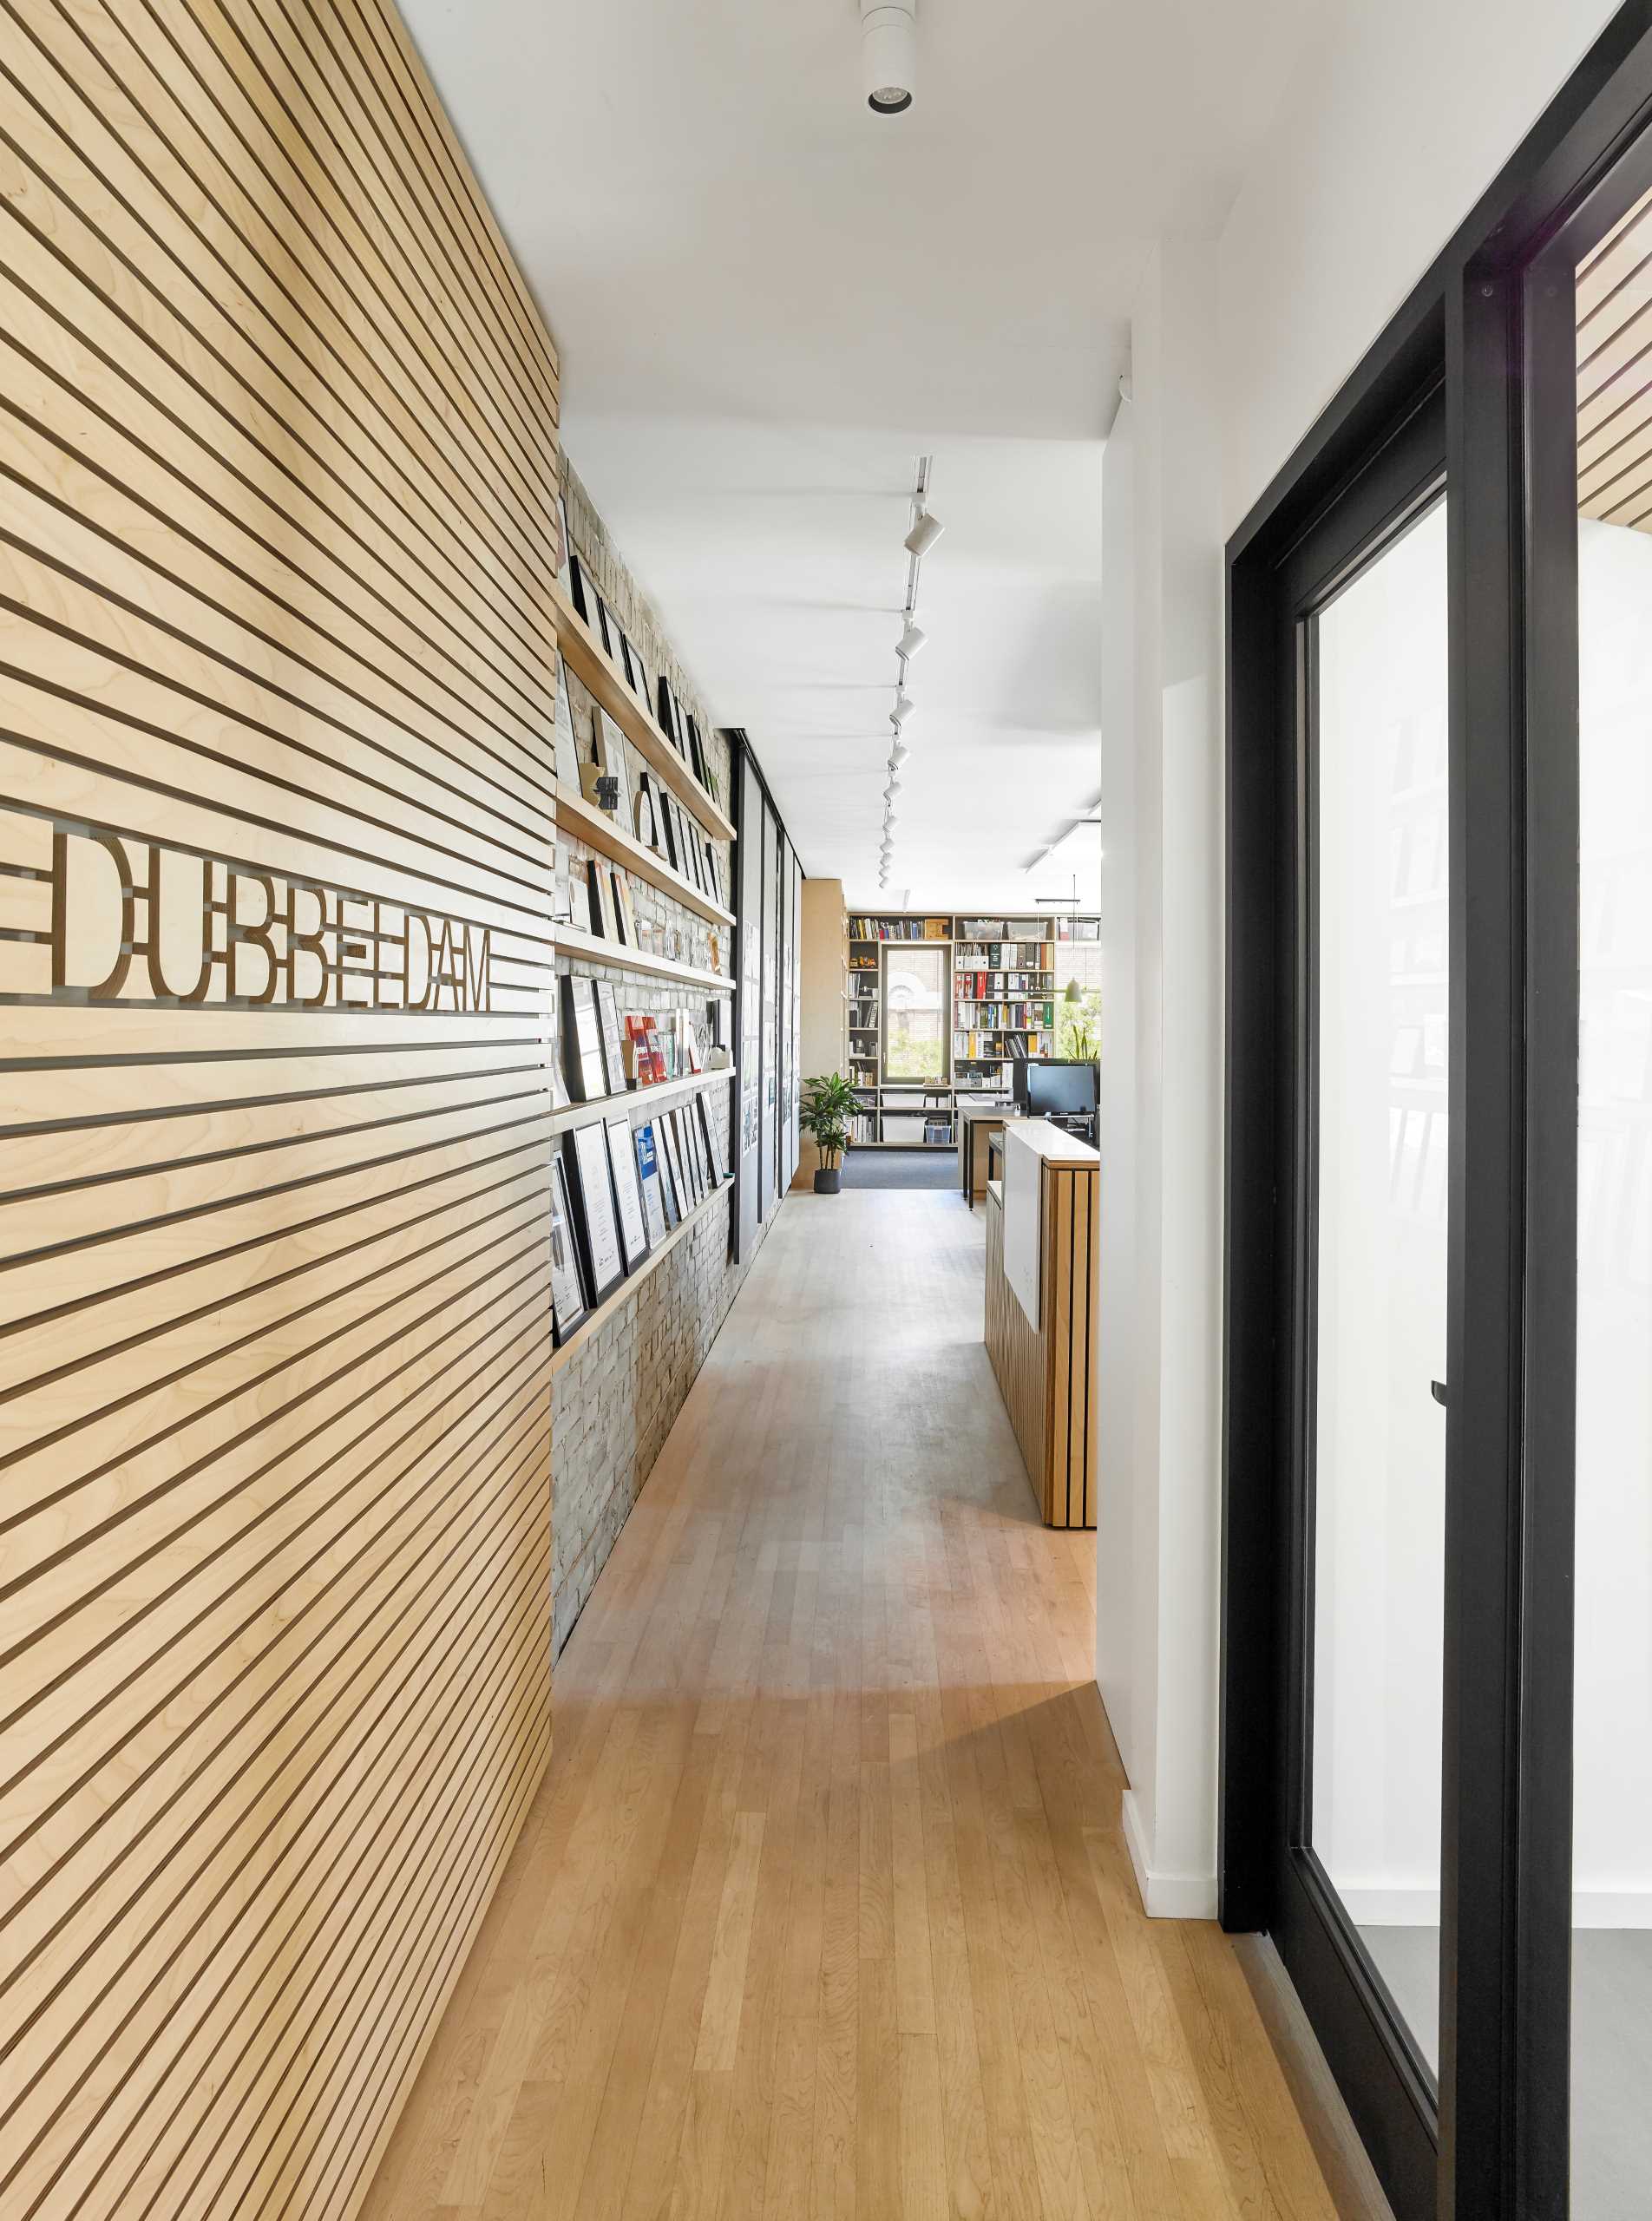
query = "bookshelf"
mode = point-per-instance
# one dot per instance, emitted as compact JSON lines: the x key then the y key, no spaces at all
{"x":1004,"y":985}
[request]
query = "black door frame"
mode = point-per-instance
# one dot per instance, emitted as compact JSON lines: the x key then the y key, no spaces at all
{"x":1491,"y":327}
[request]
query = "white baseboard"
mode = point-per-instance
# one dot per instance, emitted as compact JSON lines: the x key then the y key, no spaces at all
{"x":1165,"y":1897}
{"x":1415,"y":1908}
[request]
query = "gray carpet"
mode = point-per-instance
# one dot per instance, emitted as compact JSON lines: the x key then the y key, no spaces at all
{"x":900,"y":1167}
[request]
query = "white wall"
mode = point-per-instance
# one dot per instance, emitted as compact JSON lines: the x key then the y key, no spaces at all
{"x":1159,"y":1394}
{"x":1395,"y":123}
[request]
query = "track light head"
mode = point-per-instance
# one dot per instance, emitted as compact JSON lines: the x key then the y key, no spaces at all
{"x":900,"y":752}
{"x":904,"y":707}
{"x":910,"y":641}
{"x":888,"y":53}
{"x":923,"y":534}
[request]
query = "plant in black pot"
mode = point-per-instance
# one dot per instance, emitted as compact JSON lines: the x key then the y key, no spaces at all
{"x":828,"y":1106}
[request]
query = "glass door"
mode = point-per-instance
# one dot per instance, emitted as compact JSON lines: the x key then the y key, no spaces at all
{"x":1356,"y":1834}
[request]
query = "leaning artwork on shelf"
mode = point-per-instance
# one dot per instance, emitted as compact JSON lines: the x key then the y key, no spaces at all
{"x":569,"y":1306}
{"x":595,"y":1223}
{"x":582,"y":1058}
{"x":566,"y":752}
{"x":649,"y":1181}
{"x":622,"y":1162}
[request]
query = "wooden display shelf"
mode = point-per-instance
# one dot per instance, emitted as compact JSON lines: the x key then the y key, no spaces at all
{"x":632,"y":1282}
{"x":623,"y":958}
{"x":596,"y":670}
{"x":663,"y":1090}
{"x":598,"y":831}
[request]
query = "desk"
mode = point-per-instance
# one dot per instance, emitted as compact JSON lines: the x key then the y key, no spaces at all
{"x":1041,"y":1230}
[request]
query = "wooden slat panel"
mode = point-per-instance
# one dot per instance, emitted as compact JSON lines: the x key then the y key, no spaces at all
{"x":278,"y":668}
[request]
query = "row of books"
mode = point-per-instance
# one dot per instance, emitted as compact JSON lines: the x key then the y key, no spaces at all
{"x":900,"y":928}
{"x":1005,"y":1017}
{"x":983,"y":986}
{"x":971,"y":1047}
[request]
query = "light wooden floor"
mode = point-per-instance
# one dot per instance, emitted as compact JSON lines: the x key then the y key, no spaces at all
{"x":823,"y":1907}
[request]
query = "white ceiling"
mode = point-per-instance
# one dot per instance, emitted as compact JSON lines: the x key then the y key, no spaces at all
{"x":770,"y":301}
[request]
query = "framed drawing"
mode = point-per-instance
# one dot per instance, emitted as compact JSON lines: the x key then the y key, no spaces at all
{"x":582,"y":1062}
{"x":569,"y":1306}
{"x":678,"y":1170}
{"x":596,"y":1221}
{"x":645,"y":814}
{"x":622,"y":1166}
{"x":627,"y":910}
{"x":566,"y":748}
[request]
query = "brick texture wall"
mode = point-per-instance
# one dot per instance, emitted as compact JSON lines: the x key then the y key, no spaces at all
{"x":616,"y":1399}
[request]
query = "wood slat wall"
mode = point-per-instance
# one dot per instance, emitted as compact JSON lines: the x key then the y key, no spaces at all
{"x":278,"y":473}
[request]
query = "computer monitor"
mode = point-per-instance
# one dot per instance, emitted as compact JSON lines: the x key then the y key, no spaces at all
{"x":1043,"y":1085}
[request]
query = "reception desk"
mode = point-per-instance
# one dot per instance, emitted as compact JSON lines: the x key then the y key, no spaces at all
{"x":1041,"y":1231}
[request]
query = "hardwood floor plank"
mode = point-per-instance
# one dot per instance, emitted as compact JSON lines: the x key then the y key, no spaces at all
{"x":823,"y":1908}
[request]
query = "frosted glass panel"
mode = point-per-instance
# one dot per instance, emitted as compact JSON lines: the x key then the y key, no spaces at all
{"x":1379,"y":1433}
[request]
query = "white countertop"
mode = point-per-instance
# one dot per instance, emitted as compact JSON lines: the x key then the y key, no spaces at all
{"x":1050,"y":1142}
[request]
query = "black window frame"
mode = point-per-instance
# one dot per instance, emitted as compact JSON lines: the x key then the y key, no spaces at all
{"x":1490,"y":330}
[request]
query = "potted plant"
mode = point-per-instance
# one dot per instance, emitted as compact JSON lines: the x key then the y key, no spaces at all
{"x":828,"y":1104}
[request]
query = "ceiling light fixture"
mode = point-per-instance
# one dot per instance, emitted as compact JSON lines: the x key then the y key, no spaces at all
{"x":904,"y":707}
{"x":888,"y":53}
{"x":899,"y":753}
{"x":926,"y":530}
{"x":911,"y":641}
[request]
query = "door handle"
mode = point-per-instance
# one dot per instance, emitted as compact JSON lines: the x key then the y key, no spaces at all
{"x":1437,"y":1390}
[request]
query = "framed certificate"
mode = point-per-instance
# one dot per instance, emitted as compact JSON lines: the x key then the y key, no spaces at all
{"x":622,"y":1166}
{"x":596,"y":1221}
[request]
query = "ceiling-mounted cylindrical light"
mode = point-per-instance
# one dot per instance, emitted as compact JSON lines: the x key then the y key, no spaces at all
{"x":911,"y":641}
{"x":888,"y":53}
{"x":899,"y":753}
{"x":923,"y":534}
{"x":904,"y":707}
